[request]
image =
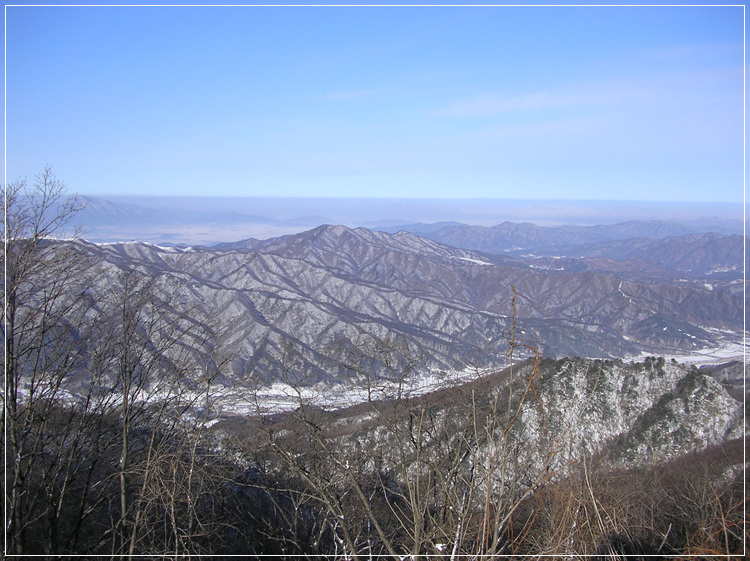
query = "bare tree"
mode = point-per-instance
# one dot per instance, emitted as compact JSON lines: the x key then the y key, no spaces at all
{"x":107,"y":382}
{"x":45,"y":311}
{"x":155,"y":360}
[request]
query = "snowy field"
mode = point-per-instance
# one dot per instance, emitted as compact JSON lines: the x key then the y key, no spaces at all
{"x":283,"y":397}
{"x":729,"y":347}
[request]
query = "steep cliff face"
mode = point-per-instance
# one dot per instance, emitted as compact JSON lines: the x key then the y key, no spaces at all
{"x":699,"y":413}
{"x":640,"y":413}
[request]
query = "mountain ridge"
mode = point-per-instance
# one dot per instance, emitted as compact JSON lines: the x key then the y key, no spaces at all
{"x":333,"y":284}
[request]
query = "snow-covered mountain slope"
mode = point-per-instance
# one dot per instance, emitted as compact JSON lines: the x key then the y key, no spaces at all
{"x":531,"y":423}
{"x":331,"y":289}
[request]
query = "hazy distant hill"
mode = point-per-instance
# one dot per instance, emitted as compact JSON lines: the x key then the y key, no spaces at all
{"x":210,"y":220}
{"x":112,"y":221}
{"x":701,"y":254}
{"x":515,"y":237}
{"x":99,"y":211}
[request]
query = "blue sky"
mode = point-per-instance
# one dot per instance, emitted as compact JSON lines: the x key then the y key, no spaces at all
{"x":631,"y":103}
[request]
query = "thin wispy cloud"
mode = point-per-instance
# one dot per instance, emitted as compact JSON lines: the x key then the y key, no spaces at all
{"x":494,"y":104}
{"x":356,"y":94}
{"x":696,"y":52}
{"x":552,"y":129}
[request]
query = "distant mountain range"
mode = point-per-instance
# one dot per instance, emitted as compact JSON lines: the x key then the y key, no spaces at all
{"x":211,"y":220}
{"x":101,"y":212}
{"x":328,"y":289}
{"x":518,"y":239}
{"x":657,"y":249}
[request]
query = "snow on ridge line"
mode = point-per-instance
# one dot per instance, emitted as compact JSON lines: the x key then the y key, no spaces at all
{"x":169,"y":248}
{"x":472,"y":260}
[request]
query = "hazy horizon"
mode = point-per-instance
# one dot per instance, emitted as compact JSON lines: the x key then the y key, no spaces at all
{"x":208,"y":220}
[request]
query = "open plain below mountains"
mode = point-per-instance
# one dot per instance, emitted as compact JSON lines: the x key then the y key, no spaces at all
{"x":211,"y":220}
